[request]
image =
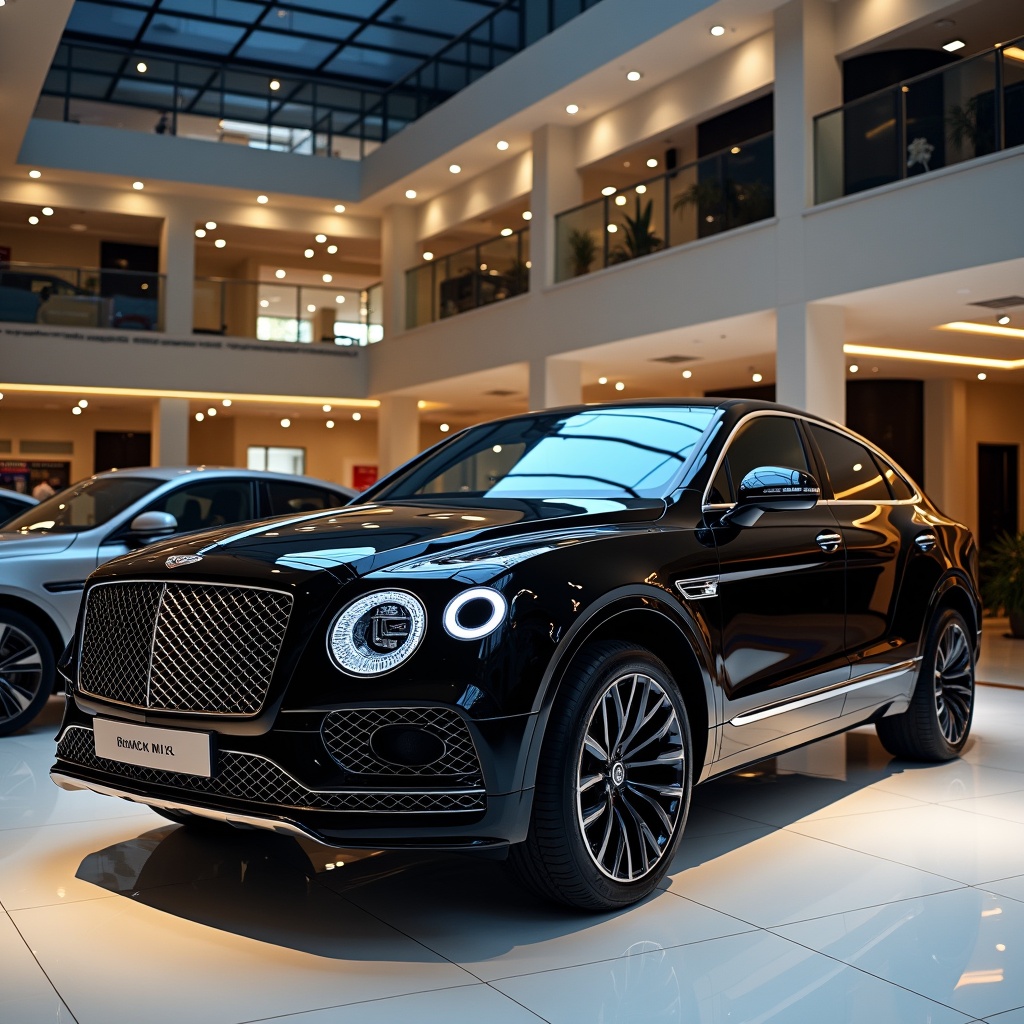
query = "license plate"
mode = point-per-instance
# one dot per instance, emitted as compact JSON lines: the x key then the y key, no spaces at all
{"x":171,"y":750}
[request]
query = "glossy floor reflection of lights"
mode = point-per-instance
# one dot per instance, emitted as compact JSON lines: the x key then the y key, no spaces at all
{"x":832,"y":884}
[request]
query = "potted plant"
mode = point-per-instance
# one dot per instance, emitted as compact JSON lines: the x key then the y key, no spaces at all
{"x":639,"y":239}
{"x":582,"y":251}
{"x":1003,"y":579}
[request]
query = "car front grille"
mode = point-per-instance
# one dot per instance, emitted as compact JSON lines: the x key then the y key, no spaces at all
{"x":191,"y":647}
{"x":258,"y":780}
{"x":348,"y":737}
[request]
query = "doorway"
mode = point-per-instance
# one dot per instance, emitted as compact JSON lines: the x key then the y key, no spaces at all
{"x":997,"y":491}
{"x":120,"y":449}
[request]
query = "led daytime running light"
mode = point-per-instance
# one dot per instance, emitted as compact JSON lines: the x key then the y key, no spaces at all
{"x":494,"y":598}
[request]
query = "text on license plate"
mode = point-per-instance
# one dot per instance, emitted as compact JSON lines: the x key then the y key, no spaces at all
{"x":172,"y":750}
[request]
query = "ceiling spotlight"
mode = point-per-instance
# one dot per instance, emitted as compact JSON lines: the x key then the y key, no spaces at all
{"x":330,"y":424}
{"x":612,"y":228}
{"x":339,"y":299}
{"x":641,"y":189}
{"x":33,"y":220}
{"x":264,"y":303}
{"x":309,"y":254}
{"x":280,"y":274}
{"x":200,"y":232}
{"x":262,"y":200}
{"x":982,"y":376}
{"x":527,"y":215}
{"x":455,"y":168}
{"x":619,"y":386}
{"x":321,"y":238}
{"x":226,"y":402}
{"x":142,"y":67}
{"x":200,"y":417}
{"x":35,"y":174}
{"x":286,"y":422}
{"x":1004,"y":319}
{"x":211,"y":411}
{"x":138,"y":186}
{"x":76,"y":411}
{"x":854,"y":368}
{"x":633,"y":76}
{"x":502,"y":145}
{"x":220,"y":243}
{"x":211,"y":225}
{"x":687,"y":374}
{"x":428,"y":255}
{"x":274,"y":85}
{"x":444,"y":428}
{"x":327,"y":278}
{"x":83,"y":403}
{"x":47,"y":211}
{"x":326,"y":408}
{"x":717,"y":30}
{"x":332,"y":249}
{"x":620,"y":200}
{"x":602,"y":380}
{"x":310,"y":308}
{"x":339,"y":207}
{"x":506,"y":232}
{"x":609,"y":190}
{"x":410,"y":193}
{"x":953,"y":45}
{"x":756,"y":378}
{"x":652,"y":162}
{"x":572,"y":108}
{"x":357,"y":416}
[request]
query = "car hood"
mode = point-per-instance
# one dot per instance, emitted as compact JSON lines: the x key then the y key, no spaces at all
{"x":16,"y":545}
{"x":360,"y":539}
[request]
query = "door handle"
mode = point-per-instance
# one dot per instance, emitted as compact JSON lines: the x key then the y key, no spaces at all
{"x":925,"y":541}
{"x":829,"y":540}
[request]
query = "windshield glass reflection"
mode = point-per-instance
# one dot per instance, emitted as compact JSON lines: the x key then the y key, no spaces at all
{"x":81,"y":507}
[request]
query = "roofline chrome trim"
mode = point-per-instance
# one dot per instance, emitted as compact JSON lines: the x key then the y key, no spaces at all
{"x":770,"y":710}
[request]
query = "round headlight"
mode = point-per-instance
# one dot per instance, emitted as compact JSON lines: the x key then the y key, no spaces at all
{"x":377,"y":632}
{"x":475,"y":613}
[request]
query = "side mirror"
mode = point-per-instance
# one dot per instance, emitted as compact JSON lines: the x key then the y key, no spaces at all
{"x":771,"y":489}
{"x":148,"y":526}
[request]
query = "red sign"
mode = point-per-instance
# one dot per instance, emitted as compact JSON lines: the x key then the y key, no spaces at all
{"x":363,"y":477}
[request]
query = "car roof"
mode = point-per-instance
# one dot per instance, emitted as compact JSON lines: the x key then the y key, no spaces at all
{"x":216,"y":473}
{"x":7,"y":492}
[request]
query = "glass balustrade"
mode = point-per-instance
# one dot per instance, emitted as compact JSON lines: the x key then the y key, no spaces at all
{"x":80,"y":296}
{"x":478,"y":275}
{"x":960,"y":112}
{"x":716,"y":193}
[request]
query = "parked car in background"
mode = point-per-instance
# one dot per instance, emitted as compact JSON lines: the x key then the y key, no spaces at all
{"x":47,"y":552}
{"x":538,"y":635}
{"x":12,"y":503}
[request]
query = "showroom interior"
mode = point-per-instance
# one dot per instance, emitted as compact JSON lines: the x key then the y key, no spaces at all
{"x":330,"y":234}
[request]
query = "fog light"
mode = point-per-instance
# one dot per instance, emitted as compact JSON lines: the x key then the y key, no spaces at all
{"x":475,"y":613}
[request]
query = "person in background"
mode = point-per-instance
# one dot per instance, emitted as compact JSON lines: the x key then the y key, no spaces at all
{"x":46,"y":488}
{"x":163,"y":124}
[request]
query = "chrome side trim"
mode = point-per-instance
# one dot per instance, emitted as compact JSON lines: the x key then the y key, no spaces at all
{"x":698,"y":589}
{"x":287,"y":828}
{"x":770,"y":710}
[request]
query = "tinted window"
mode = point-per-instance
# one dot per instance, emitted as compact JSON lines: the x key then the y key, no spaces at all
{"x":629,"y":452}
{"x":287,"y":498}
{"x":761,"y":441}
{"x":10,"y":507}
{"x":901,"y":490}
{"x":851,"y":467}
{"x":207,"y":503}
{"x":83,"y":506}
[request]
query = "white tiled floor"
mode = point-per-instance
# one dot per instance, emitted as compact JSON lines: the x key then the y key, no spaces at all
{"x":832,"y":885}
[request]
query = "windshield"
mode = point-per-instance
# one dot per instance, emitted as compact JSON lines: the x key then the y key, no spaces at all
{"x":88,"y":504}
{"x":629,"y":452}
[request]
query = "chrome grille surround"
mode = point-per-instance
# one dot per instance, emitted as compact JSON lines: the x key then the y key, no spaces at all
{"x":347,"y":735}
{"x":195,"y":647}
{"x":258,"y":780}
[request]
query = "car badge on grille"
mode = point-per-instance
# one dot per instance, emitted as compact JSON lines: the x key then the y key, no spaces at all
{"x":175,"y":560}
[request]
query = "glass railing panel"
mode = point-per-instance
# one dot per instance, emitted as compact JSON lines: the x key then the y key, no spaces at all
{"x":69,"y":296}
{"x":580,"y":240}
{"x":373,"y":298}
{"x":829,"y":156}
{"x":1013,"y":94}
{"x":684,"y":202}
{"x":748,"y":182}
{"x":952,"y":117}
{"x":636,"y":221}
{"x":502,"y":271}
{"x":872,"y":142}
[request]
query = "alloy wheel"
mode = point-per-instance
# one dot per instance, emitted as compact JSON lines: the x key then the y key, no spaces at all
{"x":630,"y":780}
{"x":954,"y":683}
{"x":21,"y":671}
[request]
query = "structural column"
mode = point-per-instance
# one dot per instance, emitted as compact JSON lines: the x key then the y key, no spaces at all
{"x":945,"y":448}
{"x":554,"y":382}
{"x":556,"y":187}
{"x":178,"y":265}
{"x":398,"y":432}
{"x":170,"y":429}
{"x":810,"y":368}
{"x":397,"y":254}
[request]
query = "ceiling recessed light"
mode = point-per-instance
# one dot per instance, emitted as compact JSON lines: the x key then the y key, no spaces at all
{"x":982,"y":376}
{"x":410,"y":193}
{"x":619,"y":386}
{"x":226,"y":402}
{"x":339,"y":207}
{"x":211,"y":411}
{"x":142,"y":67}
{"x":633,"y":76}
{"x":274,"y":85}
{"x":612,"y":228}
{"x":602,"y":380}
{"x":200,"y":417}
{"x":953,"y":45}
{"x":428,"y":255}
{"x":620,"y":200}
{"x":326,"y":408}
{"x":138,"y":186}
{"x":35,"y":174}
{"x":502,"y":145}
{"x":609,"y":190}
{"x":641,"y":189}
{"x":1004,"y":320}
{"x":310,"y":308}
{"x":652,"y":162}
{"x":444,"y":428}
{"x":455,"y":168}
{"x":756,"y":378}
{"x":33,"y":220}
{"x":327,"y":278}
{"x":357,"y":416}
{"x":527,"y":215}
{"x":47,"y":211}
{"x":279,"y":274}
{"x":220,"y":243}
{"x":76,"y":411}
{"x":332,"y":249}
{"x":854,"y":368}
{"x":506,"y":232}
{"x":339,"y":299}
{"x":687,"y":374}
{"x":200,"y":232}
{"x":309,"y":254}
{"x":83,"y":403}
{"x":264,"y":303}
{"x":321,"y":238}
{"x":718,"y":30}
{"x":262,"y":200}
{"x":572,"y":108}
{"x":211,"y":225}
{"x":286,"y":422}
{"x":734,"y":150}
{"x":330,"y":424}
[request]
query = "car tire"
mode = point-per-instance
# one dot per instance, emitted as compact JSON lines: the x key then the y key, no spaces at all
{"x":27,"y":668}
{"x":613,"y":782}
{"x":936,"y":725}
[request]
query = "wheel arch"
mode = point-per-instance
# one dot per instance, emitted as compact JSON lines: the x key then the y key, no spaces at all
{"x":39,"y":617}
{"x":953,"y":592}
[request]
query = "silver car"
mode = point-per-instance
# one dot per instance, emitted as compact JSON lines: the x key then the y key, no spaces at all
{"x":47,"y":552}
